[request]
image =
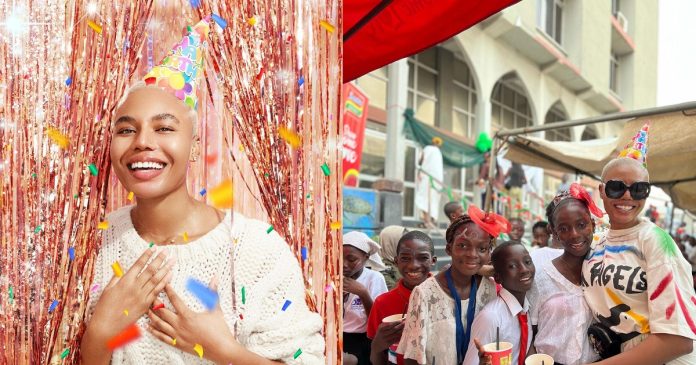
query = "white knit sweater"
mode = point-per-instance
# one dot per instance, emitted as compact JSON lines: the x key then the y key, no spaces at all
{"x":241,"y":254}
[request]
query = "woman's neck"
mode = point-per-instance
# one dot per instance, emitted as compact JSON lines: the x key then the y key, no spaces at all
{"x":163,"y":218}
{"x":571,"y":267}
{"x":460,"y":280}
{"x":624,"y":226}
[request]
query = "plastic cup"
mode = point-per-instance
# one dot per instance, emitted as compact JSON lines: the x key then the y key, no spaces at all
{"x":393,"y":318}
{"x":537,"y":359}
{"x":499,"y":357}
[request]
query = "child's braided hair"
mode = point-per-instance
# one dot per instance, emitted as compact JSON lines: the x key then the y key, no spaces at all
{"x":458,"y":223}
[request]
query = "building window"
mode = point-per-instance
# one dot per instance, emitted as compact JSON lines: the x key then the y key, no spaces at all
{"x":589,"y":133}
{"x":615,"y":7}
{"x":422,"y":85}
{"x":554,"y":115}
{"x":374,"y":85}
{"x":463,"y":100}
{"x":551,"y":18}
{"x":509,"y":105}
{"x":614,"y":73}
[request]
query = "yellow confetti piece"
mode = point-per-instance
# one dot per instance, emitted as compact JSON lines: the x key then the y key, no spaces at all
{"x":328,"y":26}
{"x":103,"y":225}
{"x":199,"y":350}
{"x":185,"y":235}
{"x":117,"y":269}
{"x":173,"y":341}
{"x":241,"y":148}
{"x":289,"y":136}
{"x":335,"y":224}
{"x":125,"y":311}
{"x":130,"y":196}
{"x":59,"y":138}
{"x":221,"y":195}
{"x":96,"y":27}
{"x":252,"y":21}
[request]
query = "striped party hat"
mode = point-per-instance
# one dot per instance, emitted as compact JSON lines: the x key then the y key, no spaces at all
{"x":637,"y":149}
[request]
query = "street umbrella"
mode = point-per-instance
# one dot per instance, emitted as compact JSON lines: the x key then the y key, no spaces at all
{"x":378,"y":32}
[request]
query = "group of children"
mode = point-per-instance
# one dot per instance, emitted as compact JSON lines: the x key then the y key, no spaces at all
{"x":624,"y":296}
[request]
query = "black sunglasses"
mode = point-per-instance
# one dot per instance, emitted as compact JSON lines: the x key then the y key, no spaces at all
{"x":615,"y":189}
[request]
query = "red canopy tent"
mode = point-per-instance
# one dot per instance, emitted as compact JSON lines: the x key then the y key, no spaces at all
{"x":378,"y":32}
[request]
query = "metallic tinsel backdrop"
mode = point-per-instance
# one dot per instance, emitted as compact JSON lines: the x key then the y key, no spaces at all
{"x":63,"y":67}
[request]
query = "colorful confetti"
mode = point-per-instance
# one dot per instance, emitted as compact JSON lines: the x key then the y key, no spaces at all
{"x":11,"y":293}
{"x":328,"y":26}
{"x":71,"y":253}
{"x":297,"y":354}
{"x":96,"y":27}
{"x":202,"y":192}
{"x":151,"y":244}
{"x":37,"y":229}
{"x":131,"y":333}
{"x":286,"y":305}
{"x":173,"y":341}
{"x":270,"y":229}
{"x":303,"y":250}
{"x":336,"y":225}
{"x":325,"y":169}
{"x":195,"y":4}
{"x":207,"y":296}
{"x":103,"y":225}
{"x":292,"y":138}
{"x":125,"y":311}
{"x":158,"y":306}
{"x":218,"y":19}
{"x":130,"y":196}
{"x":199,"y":350}
{"x":53,"y":306}
{"x":300,"y":82}
{"x":308,"y":196}
{"x":243,"y":295}
{"x":117,"y":269}
{"x":68,"y":81}
{"x":252,"y":21}
{"x":65,"y":353}
{"x":185,"y":236}
{"x":329,"y":287}
{"x":93,"y":169}
{"x":58,"y":138}
{"x":222,"y":195}
{"x":94,"y":288}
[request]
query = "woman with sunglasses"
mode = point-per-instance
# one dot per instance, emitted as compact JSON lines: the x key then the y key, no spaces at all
{"x":637,"y":283}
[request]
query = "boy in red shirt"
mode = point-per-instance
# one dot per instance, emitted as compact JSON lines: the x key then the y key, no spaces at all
{"x":415,"y":256}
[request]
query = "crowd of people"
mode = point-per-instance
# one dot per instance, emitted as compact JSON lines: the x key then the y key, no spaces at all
{"x":579,"y":295}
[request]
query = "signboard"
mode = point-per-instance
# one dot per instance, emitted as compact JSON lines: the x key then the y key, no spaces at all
{"x":354,"y":117}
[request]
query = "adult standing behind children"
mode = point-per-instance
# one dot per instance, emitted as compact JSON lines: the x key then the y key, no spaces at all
{"x":427,"y":197}
{"x":636,"y":281}
{"x":360,"y":286}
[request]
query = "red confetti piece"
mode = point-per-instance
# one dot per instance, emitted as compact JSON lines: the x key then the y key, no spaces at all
{"x":131,"y":333}
{"x":158,"y":306}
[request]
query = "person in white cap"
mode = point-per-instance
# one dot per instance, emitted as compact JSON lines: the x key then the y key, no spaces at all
{"x":360,"y":287}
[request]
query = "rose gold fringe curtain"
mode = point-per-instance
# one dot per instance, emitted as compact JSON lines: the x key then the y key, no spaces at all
{"x":64,"y":67}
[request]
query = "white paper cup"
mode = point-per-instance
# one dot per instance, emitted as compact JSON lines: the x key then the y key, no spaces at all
{"x":394,"y":318}
{"x":537,"y":359}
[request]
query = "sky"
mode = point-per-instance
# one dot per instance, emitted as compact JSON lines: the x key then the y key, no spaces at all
{"x":676,"y":62}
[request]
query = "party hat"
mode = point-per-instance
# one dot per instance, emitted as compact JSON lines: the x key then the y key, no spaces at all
{"x":637,"y":149}
{"x":181,"y":71}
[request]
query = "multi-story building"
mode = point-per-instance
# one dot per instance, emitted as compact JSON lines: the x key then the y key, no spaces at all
{"x":534,"y":63}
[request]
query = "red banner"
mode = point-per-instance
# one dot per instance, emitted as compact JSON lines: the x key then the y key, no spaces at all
{"x":354,"y":117}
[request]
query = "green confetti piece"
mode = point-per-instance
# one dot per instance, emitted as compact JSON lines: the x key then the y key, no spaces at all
{"x":33,"y":175}
{"x":37,"y":229}
{"x":75,"y":196}
{"x":152,"y":244}
{"x":65,"y":353}
{"x":11,"y":293}
{"x":265,"y":174}
{"x":297,"y":354}
{"x":243,"y":295}
{"x":270,"y":229}
{"x":308,"y":196}
{"x":666,"y":242}
{"x":93,"y":169}
{"x":325,"y":169}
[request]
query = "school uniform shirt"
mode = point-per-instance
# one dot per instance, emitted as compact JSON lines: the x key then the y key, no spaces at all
{"x":637,"y":282}
{"x":429,"y":331}
{"x":354,"y":317}
{"x":392,"y":302}
{"x":500,"y":313}
{"x":554,"y":300}
{"x":544,"y":254}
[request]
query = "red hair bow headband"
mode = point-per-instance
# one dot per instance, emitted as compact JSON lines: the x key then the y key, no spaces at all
{"x":576,"y":191}
{"x":492,"y":223}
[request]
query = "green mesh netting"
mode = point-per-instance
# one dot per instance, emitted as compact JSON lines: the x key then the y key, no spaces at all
{"x":454,"y":153}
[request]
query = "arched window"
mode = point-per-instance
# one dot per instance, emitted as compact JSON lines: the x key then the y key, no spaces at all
{"x":510,"y":107}
{"x":589,"y":133}
{"x":463,"y":100}
{"x":557,"y":114}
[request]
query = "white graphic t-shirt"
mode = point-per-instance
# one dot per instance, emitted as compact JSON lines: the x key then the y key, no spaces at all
{"x":354,"y":316}
{"x":637,"y":282}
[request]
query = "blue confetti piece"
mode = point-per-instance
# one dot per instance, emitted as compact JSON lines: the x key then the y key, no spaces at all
{"x":53,"y":306}
{"x":304,"y":253}
{"x":203,"y":192}
{"x":218,"y":19}
{"x":71,"y":253}
{"x":208,"y":297}
{"x":286,"y":305}
{"x":300,"y":82}
{"x":68,"y":81}
{"x":195,"y":3}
